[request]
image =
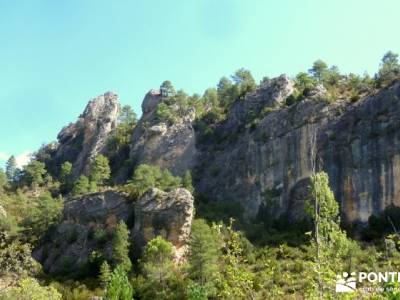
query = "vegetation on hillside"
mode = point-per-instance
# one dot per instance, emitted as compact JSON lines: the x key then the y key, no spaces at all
{"x":229,"y":256}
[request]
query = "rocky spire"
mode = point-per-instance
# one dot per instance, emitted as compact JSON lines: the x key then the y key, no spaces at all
{"x":79,"y":142}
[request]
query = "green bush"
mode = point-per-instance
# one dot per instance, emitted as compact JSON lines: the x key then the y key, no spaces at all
{"x":146,"y":177}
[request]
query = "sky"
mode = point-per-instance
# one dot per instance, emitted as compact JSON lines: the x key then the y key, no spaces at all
{"x":57,"y":55}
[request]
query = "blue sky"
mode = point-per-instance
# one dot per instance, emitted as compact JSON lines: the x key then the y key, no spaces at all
{"x":57,"y":55}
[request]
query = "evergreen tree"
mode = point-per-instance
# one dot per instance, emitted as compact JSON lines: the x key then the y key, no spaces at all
{"x":65,"y":172}
{"x":166,"y":181}
{"x":146,"y":177}
{"x":224,"y":88}
{"x":35,"y":173}
{"x":332,"y":76}
{"x":210,"y":97}
{"x":165,"y":113}
{"x":3,"y":181}
{"x":127,"y":116}
{"x":99,"y":170}
{"x":167,"y":89}
{"x":244,"y":81}
{"x":305,"y":82}
{"x":81,"y":185}
{"x":120,"y":247}
{"x":105,"y":274}
{"x":11,"y":169}
{"x":118,"y":287}
{"x":389,"y":68}
{"x":204,"y":252}
{"x":157,"y":261}
{"x":187,"y":181}
{"x":29,"y":289}
{"x":318,"y":70}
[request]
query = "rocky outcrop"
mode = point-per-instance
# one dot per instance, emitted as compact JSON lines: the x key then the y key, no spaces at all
{"x":169,"y":215}
{"x":88,"y":224}
{"x":168,"y":146}
{"x":266,"y":167}
{"x":79,"y":142}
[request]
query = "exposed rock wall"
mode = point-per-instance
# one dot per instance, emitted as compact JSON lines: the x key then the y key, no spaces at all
{"x":361,"y":153}
{"x":169,"y":215}
{"x":263,"y":153}
{"x":79,"y":142}
{"x":268,"y":166}
{"x":88,"y":222}
{"x":170,"y":146}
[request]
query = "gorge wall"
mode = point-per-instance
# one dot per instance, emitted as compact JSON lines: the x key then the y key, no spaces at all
{"x":263,"y":153}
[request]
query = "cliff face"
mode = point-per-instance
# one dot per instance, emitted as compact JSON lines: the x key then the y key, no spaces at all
{"x":266,"y":167}
{"x":170,"y":146}
{"x":88,"y":224}
{"x":264,"y":152}
{"x":360,"y":151}
{"x":79,"y":142}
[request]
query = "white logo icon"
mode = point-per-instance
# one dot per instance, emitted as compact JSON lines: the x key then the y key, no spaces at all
{"x":346,"y":283}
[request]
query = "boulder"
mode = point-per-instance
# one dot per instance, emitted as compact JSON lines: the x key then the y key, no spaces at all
{"x":168,"y":215}
{"x":88,"y":224}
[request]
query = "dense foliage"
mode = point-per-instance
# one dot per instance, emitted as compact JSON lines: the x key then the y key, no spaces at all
{"x":229,"y":257}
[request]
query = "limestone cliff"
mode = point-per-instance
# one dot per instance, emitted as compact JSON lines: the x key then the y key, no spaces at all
{"x":267,"y":166}
{"x":264,"y":151}
{"x":79,"y":142}
{"x":88,"y":221}
{"x":169,"y":215}
{"x":170,"y":146}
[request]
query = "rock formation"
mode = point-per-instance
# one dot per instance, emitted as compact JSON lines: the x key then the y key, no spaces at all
{"x":88,"y":221}
{"x":79,"y":142}
{"x":166,"y":214}
{"x":170,"y":146}
{"x":87,"y":225}
{"x":266,"y":167}
{"x":264,"y":152}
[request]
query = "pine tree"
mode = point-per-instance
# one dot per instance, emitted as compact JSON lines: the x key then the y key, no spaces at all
{"x":3,"y":180}
{"x":157,"y":261}
{"x":105,"y":274}
{"x":127,"y":116}
{"x":118,"y":287}
{"x":389,"y":68}
{"x":204,"y":252}
{"x":99,"y":170}
{"x":120,"y":247}
{"x":146,"y":177}
{"x":187,"y":181}
{"x":35,"y":172}
{"x":11,"y":169}
{"x":318,"y":70}
{"x":81,"y":185}
{"x":167,"y":89}
{"x":66,"y":176}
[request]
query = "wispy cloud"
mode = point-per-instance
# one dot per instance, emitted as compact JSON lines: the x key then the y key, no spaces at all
{"x":22,"y":158}
{"x":3,"y":156}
